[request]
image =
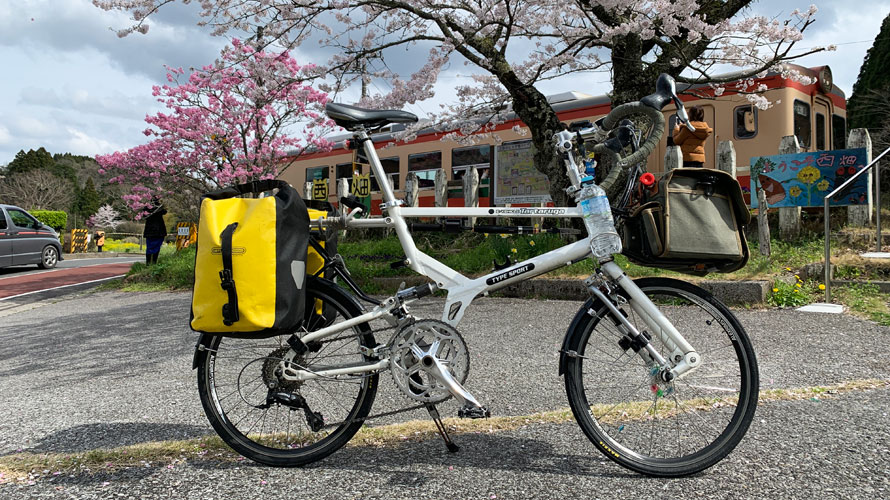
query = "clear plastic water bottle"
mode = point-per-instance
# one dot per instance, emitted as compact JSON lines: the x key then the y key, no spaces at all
{"x":604,"y":239}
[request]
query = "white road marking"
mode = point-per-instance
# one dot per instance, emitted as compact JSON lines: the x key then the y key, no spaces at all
{"x":62,"y":286}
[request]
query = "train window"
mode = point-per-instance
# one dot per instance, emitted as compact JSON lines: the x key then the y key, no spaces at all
{"x":839,"y":131}
{"x":424,"y":165}
{"x":346,"y":171}
{"x":745,"y":122}
{"x":391,"y":167}
{"x":475,"y":156}
{"x":802,"y":127}
{"x":315,"y":173}
{"x":820,"y":132}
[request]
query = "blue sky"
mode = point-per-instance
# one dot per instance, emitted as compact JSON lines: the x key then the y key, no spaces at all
{"x":71,"y":85}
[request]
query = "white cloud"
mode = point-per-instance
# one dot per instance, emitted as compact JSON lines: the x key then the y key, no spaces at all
{"x":79,"y":142}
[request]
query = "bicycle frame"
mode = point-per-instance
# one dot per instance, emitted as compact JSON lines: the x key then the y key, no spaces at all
{"x":463,"y":290}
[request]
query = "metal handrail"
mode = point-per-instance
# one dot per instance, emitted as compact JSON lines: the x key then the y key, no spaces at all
{"x":828,"y":197}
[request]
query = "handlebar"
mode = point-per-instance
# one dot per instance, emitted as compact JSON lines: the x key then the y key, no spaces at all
{"x":650,"y":107}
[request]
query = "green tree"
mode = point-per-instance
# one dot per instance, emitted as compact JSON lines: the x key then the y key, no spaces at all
{"x":87,"y":200}
{"x":874,"y":78}
{"x":32,"y":160}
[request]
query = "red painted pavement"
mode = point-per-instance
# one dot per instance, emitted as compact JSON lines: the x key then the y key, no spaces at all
{"x":16,"y":285}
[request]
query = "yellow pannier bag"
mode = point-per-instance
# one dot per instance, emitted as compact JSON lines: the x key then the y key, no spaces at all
{"x":250,"y":264}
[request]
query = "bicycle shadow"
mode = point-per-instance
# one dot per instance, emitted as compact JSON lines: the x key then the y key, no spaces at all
{"x":407,"y":464}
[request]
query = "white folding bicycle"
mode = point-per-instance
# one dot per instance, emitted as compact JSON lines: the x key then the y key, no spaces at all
{"x":659,"y":374}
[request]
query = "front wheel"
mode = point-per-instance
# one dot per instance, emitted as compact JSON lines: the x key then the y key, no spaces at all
{"x":49,"y":257}
{"x":253,"y":409}
{"x":667,"y":429}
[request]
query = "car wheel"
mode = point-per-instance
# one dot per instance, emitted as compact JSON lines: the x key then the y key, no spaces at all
{"x":49,"y":258}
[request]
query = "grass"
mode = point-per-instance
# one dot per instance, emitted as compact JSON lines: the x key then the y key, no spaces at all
{"x":866,"y":301}
{"x":24,"y":466}
{"x":173,"y":271}
{"x":474,"y":254}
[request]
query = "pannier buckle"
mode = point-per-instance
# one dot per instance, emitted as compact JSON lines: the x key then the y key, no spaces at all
{"x":708,"y":185}
{"x":226,"y":278}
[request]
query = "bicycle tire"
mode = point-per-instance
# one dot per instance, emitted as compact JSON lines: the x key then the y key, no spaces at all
{"x":221,"y":359}
{"x":612,"y":396}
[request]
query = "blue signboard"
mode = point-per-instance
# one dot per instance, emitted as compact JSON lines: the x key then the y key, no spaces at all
{"x":803,"y":179}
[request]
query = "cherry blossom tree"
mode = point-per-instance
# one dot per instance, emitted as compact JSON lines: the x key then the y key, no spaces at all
{"x":511,"y":47}
{"x":105,"y":218}
{"x":233,"y":121}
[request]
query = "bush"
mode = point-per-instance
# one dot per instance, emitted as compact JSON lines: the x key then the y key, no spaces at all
{"x":55,"y":219}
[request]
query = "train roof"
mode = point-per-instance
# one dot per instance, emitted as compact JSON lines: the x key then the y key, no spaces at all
{"x":574,"y":100}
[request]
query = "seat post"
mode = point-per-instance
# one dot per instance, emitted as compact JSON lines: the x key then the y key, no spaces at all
{"x":362,"y":137}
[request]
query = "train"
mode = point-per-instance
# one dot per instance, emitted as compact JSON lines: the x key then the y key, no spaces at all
{"x":815,"y":113}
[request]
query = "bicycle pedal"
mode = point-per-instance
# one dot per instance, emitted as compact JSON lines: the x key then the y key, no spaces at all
{"x":473,"y":412}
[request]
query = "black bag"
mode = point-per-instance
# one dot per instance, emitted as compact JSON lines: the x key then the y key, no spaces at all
{"x":693,"y":221}
{"x":250,"y":264}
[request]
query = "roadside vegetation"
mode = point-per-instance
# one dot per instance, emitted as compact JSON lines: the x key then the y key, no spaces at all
{"x":368,"y":257}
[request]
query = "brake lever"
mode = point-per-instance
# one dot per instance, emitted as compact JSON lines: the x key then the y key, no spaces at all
{"x":345,"y":219}
{"x":681,"y":114}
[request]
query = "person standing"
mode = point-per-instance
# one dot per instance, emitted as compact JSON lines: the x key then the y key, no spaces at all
{"x":100,"y":240}
{"x":155,"y":231}
{"x":692,"y":143}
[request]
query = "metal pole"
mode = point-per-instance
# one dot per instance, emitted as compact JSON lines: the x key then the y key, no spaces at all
{"x":827,"y":266}
{"x":878,"y":202}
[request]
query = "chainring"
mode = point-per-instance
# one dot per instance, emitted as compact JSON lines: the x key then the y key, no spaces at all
{"x":411,"y":376}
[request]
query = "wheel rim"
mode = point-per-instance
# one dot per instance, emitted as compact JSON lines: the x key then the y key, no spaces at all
{"x":49,"y":257}
{"x":639,"y":419}
{"x":279,"y":431}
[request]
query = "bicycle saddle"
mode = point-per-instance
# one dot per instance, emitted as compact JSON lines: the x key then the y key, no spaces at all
{"x":665,"y":90}
{"x":353,"y":117}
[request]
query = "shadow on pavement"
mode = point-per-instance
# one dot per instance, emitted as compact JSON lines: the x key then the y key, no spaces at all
{"x":88,"y":437}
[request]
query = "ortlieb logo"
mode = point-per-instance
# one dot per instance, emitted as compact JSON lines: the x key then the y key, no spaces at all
{"x":235,"y":250}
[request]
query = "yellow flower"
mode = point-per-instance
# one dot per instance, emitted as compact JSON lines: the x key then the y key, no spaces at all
{"x":513,"y":250}
{"x":797,"y":289}
{"x":794,"y":191}
{"x":823,"y":185}
{"x":531,"y":242}
{"x":775,"y":290}
{"x":809,"y":174}
{"x":504,"y":236}
{"x":821,"y":286}
{"x":787,"y":268}
{"x":797,"y":285}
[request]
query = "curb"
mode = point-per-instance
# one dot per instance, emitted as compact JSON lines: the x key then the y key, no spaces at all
{"x":729,"y":292}
{"x":99,"y":255}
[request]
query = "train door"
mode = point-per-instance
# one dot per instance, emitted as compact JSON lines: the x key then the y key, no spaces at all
{"x":821,"y":124}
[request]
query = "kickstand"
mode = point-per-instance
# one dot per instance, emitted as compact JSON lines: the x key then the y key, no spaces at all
{"x":434,"y":414}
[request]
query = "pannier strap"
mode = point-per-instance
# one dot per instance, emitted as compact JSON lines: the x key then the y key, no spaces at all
{"x":230,"y":310}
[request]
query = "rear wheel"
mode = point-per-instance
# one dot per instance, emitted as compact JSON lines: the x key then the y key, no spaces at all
{"x":305,"y":421}
{"x":49,"y":257}
{"x":654,"y":427}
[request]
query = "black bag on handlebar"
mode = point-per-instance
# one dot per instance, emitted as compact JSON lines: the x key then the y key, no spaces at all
{"x":692,"y":221}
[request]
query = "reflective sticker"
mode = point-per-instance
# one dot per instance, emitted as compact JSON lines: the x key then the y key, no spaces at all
{"x":298,"y":271}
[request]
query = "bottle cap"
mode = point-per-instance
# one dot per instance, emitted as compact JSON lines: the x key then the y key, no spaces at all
{"x":586,"y":178}
{"x":647,"y":179}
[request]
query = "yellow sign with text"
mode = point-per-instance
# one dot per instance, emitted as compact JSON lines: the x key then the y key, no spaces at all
{"x":320,"y":189}
{"x":361,"y":185}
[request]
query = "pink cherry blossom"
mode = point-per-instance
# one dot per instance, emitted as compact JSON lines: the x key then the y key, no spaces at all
{"x":242,"y":118}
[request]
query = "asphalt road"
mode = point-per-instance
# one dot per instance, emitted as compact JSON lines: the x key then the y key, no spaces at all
{"x":29,"y":284}
{"x":110,"y":369}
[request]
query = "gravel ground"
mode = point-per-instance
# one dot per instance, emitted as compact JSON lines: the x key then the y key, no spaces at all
{"x":109,"y":369}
